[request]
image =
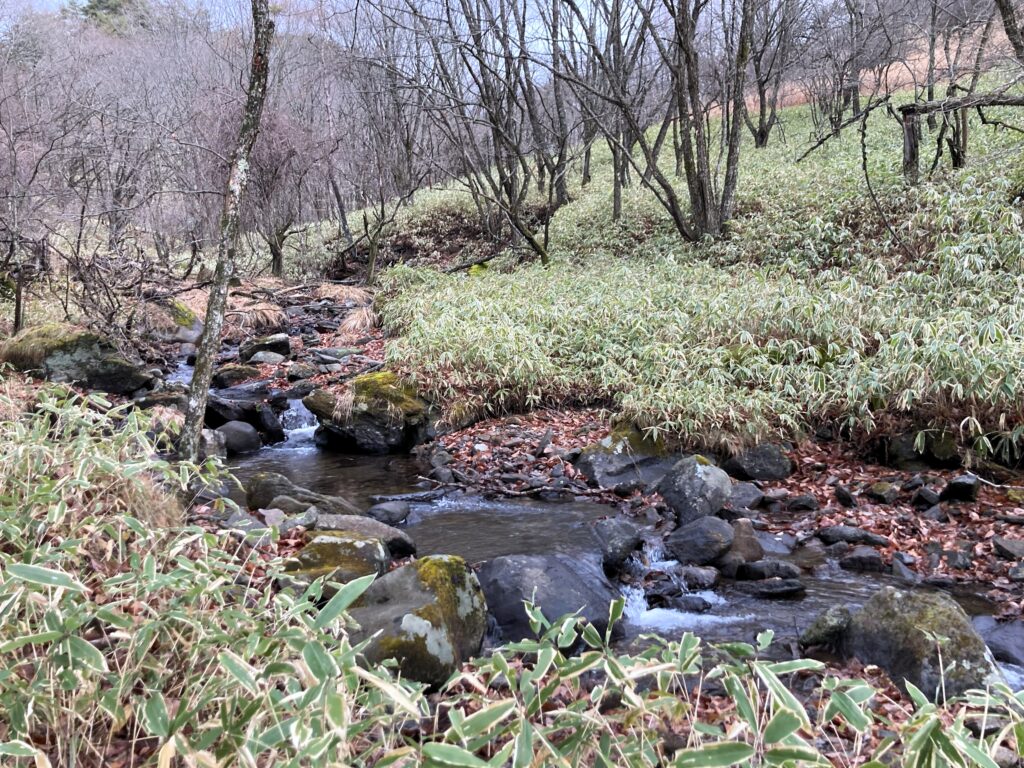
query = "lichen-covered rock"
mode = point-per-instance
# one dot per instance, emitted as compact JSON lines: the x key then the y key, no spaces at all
{"x":338,"y":557}
{"x":276,"y":342}
{"x":924,"y":638}
{"x":762,"y":462}
{"x":378,"y":414}
{"x":265,"y":487}
{"x":694,"y":488}
{"x":61,"y":352}
{"x":398,"y":542}
{"x":429,"y":616}
{"x":233,"y":373}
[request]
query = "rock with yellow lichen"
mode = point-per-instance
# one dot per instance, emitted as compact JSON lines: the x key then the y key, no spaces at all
{"x":64,"y":353}
{"x":339,"y":557}
{"x":377,"y":413}
{"x":429,"y":617}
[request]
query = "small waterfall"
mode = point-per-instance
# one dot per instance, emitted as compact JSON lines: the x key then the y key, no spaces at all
{"x":181,"y":375}
{"x":299,"y":427}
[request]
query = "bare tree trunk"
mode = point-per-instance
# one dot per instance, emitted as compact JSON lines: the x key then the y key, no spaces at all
{"x":1013,"y":30}
{"x":238,"y":176}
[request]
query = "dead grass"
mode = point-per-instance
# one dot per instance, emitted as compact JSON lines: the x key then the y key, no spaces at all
{"x":359,"y":321}
{"x":344,"y":294}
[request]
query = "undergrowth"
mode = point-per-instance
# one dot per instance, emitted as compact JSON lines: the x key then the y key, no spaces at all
{"x":817,"y":309}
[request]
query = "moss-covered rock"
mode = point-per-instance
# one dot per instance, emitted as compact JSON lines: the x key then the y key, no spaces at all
{"x":234,"y":373}
{"x":924,"y":638}
{"x":625,"y":461}
{"x":278,"y":343}
{"x":61,"y":352}
{"x":379,"y":413}
{"x":429,"y":617}
{"x":338,"y":557}
{"x":265,"y":488}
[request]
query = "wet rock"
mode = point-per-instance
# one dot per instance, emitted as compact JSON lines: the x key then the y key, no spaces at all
{"x":558,"y":584}
{"x":379,"y":414}
{"x":695,"y":577}
{"x":688,"y":604}
{"x":828,"y":629}
{"x":1010,"y":549}
{"x":232,"y":374}
{"x":429,"y":616}
{"x":805,"y":502}
{"x":862,"y":559}
{"x":694,"y":488}
{"x":64,"y":353}
{"x":619,"y":538}
{"x":389,"y":512}
{"x":1004,"y":638}
{"x":240,"y":437}
{"x":844,"y":496}
{"x":776,"y":543}
{"x":767,"y":569}
{"x":811,"y":554}
{"x":962,"y":488}
{"x":903,"y":572}
{"x":745,"y":543}
{"x":398,"y":542}
{"x":850,"y":535}
{"x":278,"y":343}
{"x":621,"y":472}
{"x":924,"y":498}
{"x":745,"y":496}
{"x":268,"y":423}
{"x":336,"y":557}
{"x":882,"y":492}
{"x":771,"y":589}
{"x":762,"y":462}
{"x":936,"y":513}
{"x":265,"y":487}
{"x":700,"y":542}
{"x":896,"y":629}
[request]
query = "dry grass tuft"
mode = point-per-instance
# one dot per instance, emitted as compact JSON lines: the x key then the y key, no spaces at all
{"x":343,"y":406}
{"x":344,"y":294}
{"x":359,"y":321}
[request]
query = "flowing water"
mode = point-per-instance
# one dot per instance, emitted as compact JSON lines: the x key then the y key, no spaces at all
{"x":479,"y":529}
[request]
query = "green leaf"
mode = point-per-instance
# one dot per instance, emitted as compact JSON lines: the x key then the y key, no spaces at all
{"x":320,"y":663}
{"x":719,"y":755}
{"x":343,"y":598}
{"x":240,"y":670}
{"x":45,"y":577}
{"x":36,"y":639}
{"x":86,"y":654}
{"x":782,"y":725}
{"x":18,"y":749}
{"x":154,"y":716}
{"x":450,"y":755}
{"x":482,"y":721}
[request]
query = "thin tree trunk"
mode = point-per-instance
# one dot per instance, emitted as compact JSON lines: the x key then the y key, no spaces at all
{"x":238,"y":176}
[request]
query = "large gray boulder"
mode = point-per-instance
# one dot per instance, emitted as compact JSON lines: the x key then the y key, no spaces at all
{"x":378,"y":414}
{"x":923,"y":638}
{"x":695,"y":488}
{"x":278,"y":343}
{"x":700,"y":542}
{"x":762,"y":462}
{"x":619,"y":538}
{"x":429,"y":616}
{"x":558,"y":584}
{"x":64,"y":353}
{"x":240,"y":437}
{"x":265,"y":487}
{"x":625,"y":462}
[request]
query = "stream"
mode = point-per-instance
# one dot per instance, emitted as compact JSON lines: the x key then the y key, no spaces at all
{"x":479,"y":529}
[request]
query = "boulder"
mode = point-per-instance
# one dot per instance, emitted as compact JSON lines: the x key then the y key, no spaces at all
{"x":745,"y":496}
{"x":278,"y":343}
{"x":701,"y":542}
{"x":828,"y":629}
{"x":558,"y":584}
{"x":940,"y":450}
{"x":694,"y":488}
{"x":762,"y":462}
{"x":265,"y":487}
{"x":389,"y":512}
{"x":1004,"y":638}
{"x":232,"y":374}
{"x":619,"y":539}
{"x":745,"y":543}
{"x":301,"y":371}
{"x":844,"y":496}
{"x":337,"y":557}
{"x":897,"y":630}
{"x":64,"y":353}
{"x":429,"y":616}
{"x":625,"y":462}
{"x":240,"y":437}
{"x":398,"y":542}
{"x":378,"y":414}
{"x":882,"y":492}
{"x":962,"y":488}
{"x":1009,"y":549}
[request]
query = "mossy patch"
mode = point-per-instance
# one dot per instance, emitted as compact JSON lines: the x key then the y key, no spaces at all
{"x":30,"y":348}
{"x":339,"y":558}
{"x":384,"y":390}
{"x":181,"y":314}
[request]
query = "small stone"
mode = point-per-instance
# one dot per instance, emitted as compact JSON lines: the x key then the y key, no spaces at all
{"x":1016,"y":573}
{"x":267,"y":358}
{"x":1009,"y":549}
{"x":936,"y":513}
{"x":851,"y":535}
{"x":767,"y":569}
{"x":845,"y":497}
{"x":301,"y":372}
{"x":904,"y":573}
{"x":480,"y":448}
{"x":805,"y":502}
{"x":762,"y":462}
{"x":389,"y":512}
{"x":882,"y":492}
{"x":962,"y":488}
{"x":912,"y":484}
{"x":745,"y":543}
{"x":695,"y":577}
{"x":863,"y":559}
{"x":694,"y":488}
{"x":924,"y":498}
{"x":688,"y":604}
{"x":745,"y":496}
{"x":958,"y":559}
{"x":278,"y":343}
